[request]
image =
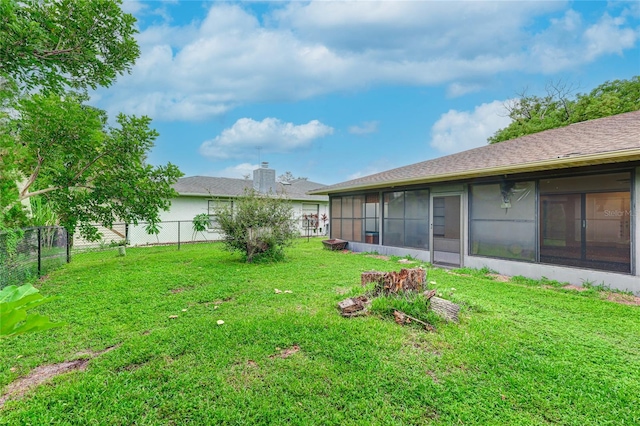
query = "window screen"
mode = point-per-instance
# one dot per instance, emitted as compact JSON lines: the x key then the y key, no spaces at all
{"x":503,"y":220}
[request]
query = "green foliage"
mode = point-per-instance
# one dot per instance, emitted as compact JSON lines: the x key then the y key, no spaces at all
{"x":14,"y":304}
{"x":56,"y":44}
{"x":532,"y":114}
{"x":259,"y":226}
{"x":86,"y":171}
{"x":410,"y":303}
{"x":200,"y":223}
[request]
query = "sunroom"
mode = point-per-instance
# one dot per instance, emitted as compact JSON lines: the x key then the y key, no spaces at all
{"x":559,"y":204}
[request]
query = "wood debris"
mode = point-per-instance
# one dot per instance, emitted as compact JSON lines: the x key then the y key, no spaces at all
{"x":445,"y":309}
{"x":354,"y":306}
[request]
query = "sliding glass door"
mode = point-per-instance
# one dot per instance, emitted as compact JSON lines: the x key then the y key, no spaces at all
{"x":587,"y":229}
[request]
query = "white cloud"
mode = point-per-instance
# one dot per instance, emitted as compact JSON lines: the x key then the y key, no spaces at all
{"x":269,"y":135}
{"x":607,"y":36}
{"x":301,"y":50}
{"x":461,"y":130}
{"x":238,"y":171}
{"x":364,"y":129}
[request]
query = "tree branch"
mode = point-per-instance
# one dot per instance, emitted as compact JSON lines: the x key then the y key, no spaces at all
{"x":32,"y":178}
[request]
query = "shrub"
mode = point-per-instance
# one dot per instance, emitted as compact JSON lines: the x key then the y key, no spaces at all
{"x":257,"y":225}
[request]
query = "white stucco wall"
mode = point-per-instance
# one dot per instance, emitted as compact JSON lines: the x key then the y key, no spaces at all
{"x":176,"y":222}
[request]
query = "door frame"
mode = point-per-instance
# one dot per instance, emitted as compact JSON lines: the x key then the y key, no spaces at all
{"x":460,"y":195}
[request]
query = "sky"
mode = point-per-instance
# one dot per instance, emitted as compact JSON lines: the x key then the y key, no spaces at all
{"x":334,"y":90}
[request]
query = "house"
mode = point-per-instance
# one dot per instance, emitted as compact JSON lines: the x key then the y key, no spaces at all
{"x":561,"y":204}
{"x":202,"y":194}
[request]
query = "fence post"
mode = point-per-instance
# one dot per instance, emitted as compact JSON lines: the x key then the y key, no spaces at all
{"x":178,"y":235}
{"x":69,"y":237}
{"x":39,"y":252}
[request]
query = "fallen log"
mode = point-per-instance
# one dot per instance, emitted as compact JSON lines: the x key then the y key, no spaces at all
{"x":445,"y":309}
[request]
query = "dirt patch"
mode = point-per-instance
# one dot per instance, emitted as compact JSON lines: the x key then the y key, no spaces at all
{"x":378,"y":256}
{"x":39,"y":375}
{"x":624,"y":299}
{"x":433,"y":376}
{"x":500,"y":278}
{"x":286,"y":353}
{"x":574,"y":287}
{"x":93,"y":354}
{"x":176,"y":290}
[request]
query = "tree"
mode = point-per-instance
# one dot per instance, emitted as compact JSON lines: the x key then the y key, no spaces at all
{"x":63,"y":150}
{"x":55,"y":44}
{"x":53,"y":145}
{"x":532,"y":114}
{"x":289,"y":177}
{"x":257,"y":225}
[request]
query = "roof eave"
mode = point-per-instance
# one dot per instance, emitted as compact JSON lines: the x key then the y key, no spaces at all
{"x":552,"y":164}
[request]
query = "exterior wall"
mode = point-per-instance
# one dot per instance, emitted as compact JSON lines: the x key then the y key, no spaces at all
{"x":423,"y":255}
{"x":576,"y":276}
{"x":177,"y":222}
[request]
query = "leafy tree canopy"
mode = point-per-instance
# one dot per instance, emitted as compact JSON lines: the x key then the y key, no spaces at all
{"x":90,"y":172}
{"x":52,"y":144}
{"x":58,"y":44}
{"x":532,"y":114}
{"x":289,"y":177}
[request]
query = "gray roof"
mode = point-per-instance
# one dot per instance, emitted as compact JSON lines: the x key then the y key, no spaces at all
{"x":228,"y":187}
{"x":602,"y":141}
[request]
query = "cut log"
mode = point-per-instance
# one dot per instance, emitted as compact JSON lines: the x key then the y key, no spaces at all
{"x":445,"y":309}
{"x":395,"y":282}
{"x":354,"y":306}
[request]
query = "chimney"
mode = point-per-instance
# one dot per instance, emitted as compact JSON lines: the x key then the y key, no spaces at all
{"x":264,"y":179}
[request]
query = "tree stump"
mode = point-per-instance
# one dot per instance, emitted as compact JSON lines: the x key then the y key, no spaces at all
{"x":445,"y":309}
{"x":395,"y":282}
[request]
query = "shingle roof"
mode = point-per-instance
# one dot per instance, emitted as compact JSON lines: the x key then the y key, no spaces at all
{"x":605,"y":140}
{"x":228,"y":187}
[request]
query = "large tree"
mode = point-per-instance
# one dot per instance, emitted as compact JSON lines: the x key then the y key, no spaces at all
{"x":55,"y":146}
{"x":57,"y":44}
{"x":90,"y":172}
{"x":532,"y":114}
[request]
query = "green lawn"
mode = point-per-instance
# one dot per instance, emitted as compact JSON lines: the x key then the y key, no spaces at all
{"x":522,"y":353}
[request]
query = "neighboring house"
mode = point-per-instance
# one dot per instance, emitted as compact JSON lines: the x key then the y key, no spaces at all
{"x":202,"y":194}
{"x":561,"y":204}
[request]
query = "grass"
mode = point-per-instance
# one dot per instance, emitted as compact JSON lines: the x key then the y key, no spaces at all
{"x":522,"y":354}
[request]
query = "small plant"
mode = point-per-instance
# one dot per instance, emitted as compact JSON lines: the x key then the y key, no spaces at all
{"x":14,"y":303}
{"x":200,"y":223}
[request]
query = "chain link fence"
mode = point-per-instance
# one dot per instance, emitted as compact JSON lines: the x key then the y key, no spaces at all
{"x":31,"y":253}
{"x":39,"y":250}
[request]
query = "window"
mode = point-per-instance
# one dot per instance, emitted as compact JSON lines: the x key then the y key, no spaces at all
{"x":503,"y":220}
{"x":216,"y":205}
{"x":586,"y":221}
{"x":348,"y":217}
{"x":406,"y":219}
{"x":310,"y":218}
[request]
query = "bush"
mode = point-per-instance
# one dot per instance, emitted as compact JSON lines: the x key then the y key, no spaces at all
{"x":259,"y":226}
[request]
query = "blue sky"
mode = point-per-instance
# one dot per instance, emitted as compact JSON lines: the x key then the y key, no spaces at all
{"x":337,"y":90}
